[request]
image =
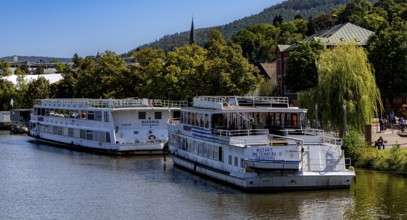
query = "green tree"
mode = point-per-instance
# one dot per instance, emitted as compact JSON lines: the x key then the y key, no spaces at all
{"x":4,"y":68}
{"x":149,"y":74}
{"x":66,"y":87}
{"x":345,"y":78}
{"x":227,"y":71}
{"x":7,"y":92}
{"x":257,"y":42}
{"x":39,"y":70}
{"x":267,"y":88}
{"x":354,"y":11}
{"x":37,"y":89}
{"x":388,"y":54}
{"x":301,"y":68}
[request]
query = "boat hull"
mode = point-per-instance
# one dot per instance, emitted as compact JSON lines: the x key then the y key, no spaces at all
{"x":279,"y":180}
{"x":145,"y":150}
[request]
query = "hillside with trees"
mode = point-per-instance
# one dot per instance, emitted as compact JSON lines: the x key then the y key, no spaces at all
{"x":285,"y":11}
{"x":37,"y":59}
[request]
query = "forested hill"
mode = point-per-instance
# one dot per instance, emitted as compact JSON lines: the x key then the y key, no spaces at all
{"x":287,"y":10}
{"x":37,"y":59}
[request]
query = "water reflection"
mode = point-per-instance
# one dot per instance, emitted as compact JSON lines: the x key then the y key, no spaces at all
{"x":42,"y":182}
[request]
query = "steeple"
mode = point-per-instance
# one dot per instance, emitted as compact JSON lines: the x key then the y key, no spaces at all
{"x":192,"y":33}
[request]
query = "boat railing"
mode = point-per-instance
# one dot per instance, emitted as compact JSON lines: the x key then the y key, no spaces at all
{"x":110,"y":103}
{"x":131,"y":142}
{"x":314,"y":132}
{"x":233,"y":133}
{"x":226,"y":99}
{"x":285,"y":140}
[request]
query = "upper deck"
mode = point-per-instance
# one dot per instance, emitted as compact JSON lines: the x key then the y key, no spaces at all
{"x":108,"y":103}
{"x":239,"y":102}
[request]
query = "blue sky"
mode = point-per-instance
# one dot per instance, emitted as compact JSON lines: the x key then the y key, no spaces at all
{"x":60,"y":28}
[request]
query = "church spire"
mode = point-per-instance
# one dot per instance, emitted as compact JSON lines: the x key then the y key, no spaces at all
{"x":192,"y":33}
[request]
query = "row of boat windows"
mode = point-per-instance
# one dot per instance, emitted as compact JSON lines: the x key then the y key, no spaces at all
{"x":85,"y":115}
{"x":248,"y":120}
{"x":209,"y":151}
{"x":100,"y":136}
{"x":77,"y":114}
{"x":197,"y":119}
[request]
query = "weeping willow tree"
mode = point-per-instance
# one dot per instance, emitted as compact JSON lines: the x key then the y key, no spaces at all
{"x":345,"y":80}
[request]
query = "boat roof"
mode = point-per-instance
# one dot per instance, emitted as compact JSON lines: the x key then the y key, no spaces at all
{"x":242,"y":104}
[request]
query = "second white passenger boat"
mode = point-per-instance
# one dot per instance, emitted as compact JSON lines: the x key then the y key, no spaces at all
{"x":257,"y":143}
{"x":110,"y":126}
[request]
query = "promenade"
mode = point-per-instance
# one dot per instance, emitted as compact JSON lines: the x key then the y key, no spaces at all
{"x":391,"y":136}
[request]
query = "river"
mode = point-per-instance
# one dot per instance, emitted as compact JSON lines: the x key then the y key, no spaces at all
{"x":43,"y":182}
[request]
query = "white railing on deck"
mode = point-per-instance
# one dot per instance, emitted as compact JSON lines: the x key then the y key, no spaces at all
{"x":314,"y":132}
{"x":225,"y":99}
{"x":110,"y":103}
{"x":233,"y":133}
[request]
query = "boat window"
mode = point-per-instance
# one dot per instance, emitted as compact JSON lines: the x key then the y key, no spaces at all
{"x":55,"y":130}
{"x":202,"y":120}
{"x":76,"y":133}
{"x":210,"y":152}
{"x":60,"y":131}
{"x":70,"y":132}
{"x":189,"y":118}
{"x":89,"y":134}
{"x":236,"y":161}
{"x":220,"y":154}
{"x":142,"y":115}
{"x":43,"y":111}
{"x":98,"y":116}
{"x":74,"y":114}
{"x":102,"y":136}
{"x":157,"y":115}
{"x":91,"y":115}
{"x":206,"y":121}
{"x":83,"y":134}
{"x":204,"y":150}
{"x":47,"y":112}
{"x":83,"y":115}
{"x":230,"y":160}
{"x":193,"y":118}
{"x":96,"y":135}
{"x":176,"y":114}
{"x":241,"y":163}
{"x":106,"y":116}
{"x":107,"y":137}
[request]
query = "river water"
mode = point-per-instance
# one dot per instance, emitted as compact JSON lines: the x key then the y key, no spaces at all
{"x":42,"y":182}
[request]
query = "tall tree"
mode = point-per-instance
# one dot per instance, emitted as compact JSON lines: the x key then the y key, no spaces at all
{"x":301,"y":69}
{"x":257,"y":42}
{"x":345,"y":78}
{"x":388,"y":54}
{"x":37,"y":89}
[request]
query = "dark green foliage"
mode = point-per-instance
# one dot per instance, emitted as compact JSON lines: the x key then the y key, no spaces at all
{"x":257,"y":42}
{"x":301,"y":69}
{"x":388,"y":54}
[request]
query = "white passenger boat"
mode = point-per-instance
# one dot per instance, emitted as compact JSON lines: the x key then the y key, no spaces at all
{"x":256,"y":143}
{"x":112,"y":126}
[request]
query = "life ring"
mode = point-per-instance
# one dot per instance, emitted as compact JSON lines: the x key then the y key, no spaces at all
{"x":151,"y":137}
